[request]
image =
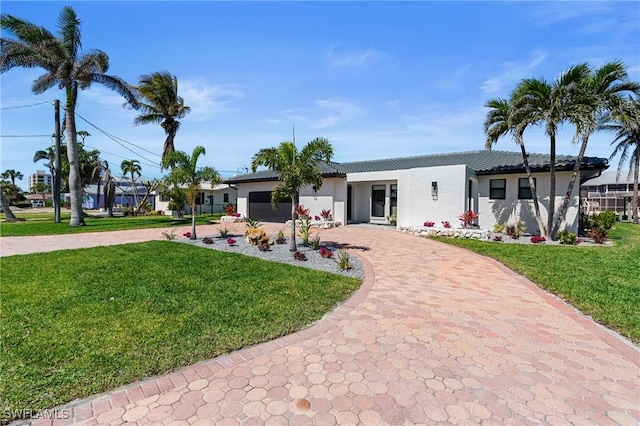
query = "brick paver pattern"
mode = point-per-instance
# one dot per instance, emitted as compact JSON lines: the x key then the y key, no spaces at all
{"x":435,"y":335}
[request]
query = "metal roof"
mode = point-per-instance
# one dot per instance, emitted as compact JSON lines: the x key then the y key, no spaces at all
{"x":483,"y":162}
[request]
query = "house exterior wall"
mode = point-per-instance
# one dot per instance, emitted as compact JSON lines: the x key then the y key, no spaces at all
{"x":511,"y":208}
{"x":416,"y":204}
{"x":332,"y":195}
{"x":361,"y":194}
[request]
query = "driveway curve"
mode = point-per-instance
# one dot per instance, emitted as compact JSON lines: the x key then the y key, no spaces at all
{"x":435,"y":335}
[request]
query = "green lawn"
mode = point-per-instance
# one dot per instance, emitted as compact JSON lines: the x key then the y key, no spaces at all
{"x":79,"y":322}
{"x":43,"y":224}
{"x":603,"y":282}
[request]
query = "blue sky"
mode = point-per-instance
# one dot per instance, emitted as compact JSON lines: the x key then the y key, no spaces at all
{"x":378,"y":79}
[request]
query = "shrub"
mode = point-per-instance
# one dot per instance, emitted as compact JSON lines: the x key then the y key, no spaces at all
{"x":429,"y":224}
{"x":515,"y":230}
{"x":467,"y":218}
{"x":498,"y":228}
{"x":326,"y":214}
{"x":567,"y":237}
{"x":446,"y":224}
{"x":305,"y":229}
{"x":598,"y":235}
{"x":207,"y":240}
{"x":392,"y":219}
{"x":343,"y":261}
{"x":169,"y":235}
{"x":231,"y":241}
{"x":536,"y":239}
{"x":280,"y":238}
{"x":264,"y":246}
{"x":252,"y":223}
{"x":229,"y":209}
{"x":187,"y":234}
{"x":316,"y":218}
{"x":298,"y":255}
{"x":302,"y":212}
{"x":325,"y":253}
{"x":605,"y":219}
{"x":223,"y":232}
{"x":497,"y":238}
{"x":315,"y":242}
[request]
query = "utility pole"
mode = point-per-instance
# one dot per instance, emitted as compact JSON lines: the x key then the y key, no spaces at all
{"x":58,"y":167}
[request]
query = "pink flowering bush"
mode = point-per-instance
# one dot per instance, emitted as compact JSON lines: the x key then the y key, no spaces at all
{"x":231,"y":241}
{"x":326,"y":214}
{"x":536,"y":239}
{"x":467,"y":218}
{"x":446,"y":224}
{"x":187,"y":234}
{"x":325,"y":252}
{"x":429,"y":224}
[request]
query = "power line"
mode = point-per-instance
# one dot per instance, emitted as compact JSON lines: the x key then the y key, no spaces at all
{"x":120,"y":156}
{"x":24,"y":136}
{"x":26,"y":106}
{"x":115,"y":139}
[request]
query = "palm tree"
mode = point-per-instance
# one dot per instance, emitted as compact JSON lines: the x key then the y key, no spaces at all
{"x":295,"y":170}
{"x":602,"y":91}
{"x":627,"y":131}
{"x":42,"y":189}
{"x":96,"y":176}
{"x":186,"y":172}
{"x":502,"y":119}
{"x":67,"y":68}
{"x":109,"y":189}
{"x":6,"y":209}
{"x":159,"y":103}
{"x":132,"y":168}
{"x":545,"y":103}
{"x":12,"y":175}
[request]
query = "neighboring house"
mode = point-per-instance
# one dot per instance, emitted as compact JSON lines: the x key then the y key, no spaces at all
{"x":607,"y":193}
{"x":426,"y":188}
{"x":211,"y":200}
{"x":124,"y":194}
{"x":40,"y":176}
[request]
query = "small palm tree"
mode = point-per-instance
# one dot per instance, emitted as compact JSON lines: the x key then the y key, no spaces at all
{"x":627,"y":144}
{"x":159,"y":103}
{"x":42,"y":189}
{"x":68,"y":68}
{"x":186,"y":172}
{"x":12,"y":175}
{"x":501,"y":120}
{"x":133,"y":169}
{"x":295,"y":170}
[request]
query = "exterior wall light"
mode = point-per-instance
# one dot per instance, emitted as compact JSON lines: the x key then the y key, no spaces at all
{"x":434,"y":190}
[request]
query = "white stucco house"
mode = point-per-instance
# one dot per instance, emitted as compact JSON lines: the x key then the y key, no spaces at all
{"x":211,"y":199}
{"x":426,"y":188}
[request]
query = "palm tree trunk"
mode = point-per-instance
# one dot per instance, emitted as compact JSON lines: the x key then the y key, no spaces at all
{"x":534,"y":194}
{"x":552,"y":189}
{"x":564,"y":207}
{"x":75,"y":188}
{"x":193,"y":220}
{"x":294,"y":205}
{"x":636,"y":172}
{"x":6,"y":209}
{"x":98,"y":193}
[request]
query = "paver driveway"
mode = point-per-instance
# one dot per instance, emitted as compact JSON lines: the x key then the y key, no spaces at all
{"x":435,"y":335}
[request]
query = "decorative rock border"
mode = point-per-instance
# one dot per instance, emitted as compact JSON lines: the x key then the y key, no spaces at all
{"x":231,"y":219}
{"x":320,"y":224}
{"x":478,"y":234}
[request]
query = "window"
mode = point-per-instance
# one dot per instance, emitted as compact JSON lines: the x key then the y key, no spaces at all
{"x":498,"y":189}
{"x":225,"y":198}
{"x":524,"y":190}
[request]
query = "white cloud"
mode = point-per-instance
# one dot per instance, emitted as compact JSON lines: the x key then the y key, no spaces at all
{"x":512,"y":72}
{"x":208,"y":100}
{"x":327,"y":113}
{"x":351,"y":58}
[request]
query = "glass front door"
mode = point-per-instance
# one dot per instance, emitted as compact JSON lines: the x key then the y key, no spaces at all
{"x":377,"y":200}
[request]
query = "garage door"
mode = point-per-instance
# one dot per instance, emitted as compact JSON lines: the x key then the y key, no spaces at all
{"x":260,"y":208}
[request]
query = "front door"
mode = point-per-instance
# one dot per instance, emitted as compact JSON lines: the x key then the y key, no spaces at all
{"x":377,"y":200}
{"x":349,"y":203}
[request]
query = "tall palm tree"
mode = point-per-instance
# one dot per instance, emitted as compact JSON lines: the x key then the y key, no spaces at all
{"x":502,"y":119}
{"x":133,"y":169}
{"x":68,"y":68}
{"x":12,"y":175}
{"x":627,"y":140}
{"x":295,"y":170}
{"x":96,"y":176}
{"x":6,"y":209}
{"x":159,"y":103}
{"x":602,"y":91}
{"x":186,"y":172}
{"x":548,"y":103}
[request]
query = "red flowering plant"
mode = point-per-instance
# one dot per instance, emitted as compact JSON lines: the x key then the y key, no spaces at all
{"x":467,"y":218}
{"x":231,"y":241}
{"x":316,"y":218}
{"x":446,"y":224}
{"x":187,"y":234}
{"x":326,"y":214}
{"x":538,"y":239}
{"x":302,"y":212}
{"x":429,"y":224}
{"x":229,"y":209}
{"x":325,"y":252}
